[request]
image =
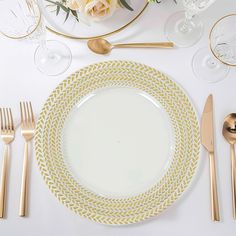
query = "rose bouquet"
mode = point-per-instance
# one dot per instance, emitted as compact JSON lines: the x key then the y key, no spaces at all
{"x":94,"y":10}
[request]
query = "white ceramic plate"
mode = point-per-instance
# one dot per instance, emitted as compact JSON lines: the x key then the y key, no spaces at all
{"x":118,"y":141}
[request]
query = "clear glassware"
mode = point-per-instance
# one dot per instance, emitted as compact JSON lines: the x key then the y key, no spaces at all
{"x":185,"y":28}
{"x":212,"y":63}
{"x":22,"y":20}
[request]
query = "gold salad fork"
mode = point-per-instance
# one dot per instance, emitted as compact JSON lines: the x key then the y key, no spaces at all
{"x":27,"y":131}
{"x":7,"y":135}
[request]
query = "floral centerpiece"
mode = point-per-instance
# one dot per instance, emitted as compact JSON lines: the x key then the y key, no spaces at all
{"x":94,"y":10}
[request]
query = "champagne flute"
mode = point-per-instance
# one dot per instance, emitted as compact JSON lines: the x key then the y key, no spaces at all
{"x":185,"y":28}
{"x":212,"y":63}
{"x":22,"y":20}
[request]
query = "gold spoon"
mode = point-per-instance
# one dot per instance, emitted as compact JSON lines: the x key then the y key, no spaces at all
{"x":102,"y":46}
{"x":229,"y":132}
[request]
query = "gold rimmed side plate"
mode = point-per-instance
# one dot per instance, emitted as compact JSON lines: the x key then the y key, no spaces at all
{"x":72,"y":192}
{"x":210,"y":39}
{"x":58,"y":29}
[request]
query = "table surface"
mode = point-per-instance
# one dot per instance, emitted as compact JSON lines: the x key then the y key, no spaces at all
{"x":20,"y":80}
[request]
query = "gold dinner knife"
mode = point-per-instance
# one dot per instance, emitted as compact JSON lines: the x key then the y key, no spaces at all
{"x":207,"y":139}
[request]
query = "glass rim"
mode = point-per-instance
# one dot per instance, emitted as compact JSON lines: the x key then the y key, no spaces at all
{"x":210,"y":37}
{"x":35,"y":28}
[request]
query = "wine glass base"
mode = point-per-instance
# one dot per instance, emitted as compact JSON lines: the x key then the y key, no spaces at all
{"x":206,"y":67}
{"x":54,"y":59}
{"x":183,"y":35}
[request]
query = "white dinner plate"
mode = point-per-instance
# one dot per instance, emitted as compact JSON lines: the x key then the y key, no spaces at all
{"x":117,"y":142}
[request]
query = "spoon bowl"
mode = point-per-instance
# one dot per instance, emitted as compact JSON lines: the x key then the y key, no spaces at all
{"x":229,"y":128}
{"x":229,"y":132}
{"x":100,"y":46}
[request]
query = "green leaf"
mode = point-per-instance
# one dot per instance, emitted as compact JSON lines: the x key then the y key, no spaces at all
{"x":67,"y":15}
{"x":126,"y":5}
{"x":58,"y":10}
{"x":74,"y":13}
{"x":66,"y":9}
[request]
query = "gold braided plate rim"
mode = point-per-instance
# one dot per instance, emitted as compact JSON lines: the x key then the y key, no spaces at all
{"x":56,"y":173}
{"x":101,"y":35}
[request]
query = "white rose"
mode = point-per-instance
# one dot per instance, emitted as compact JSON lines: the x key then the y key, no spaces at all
{"x":98,"y":10}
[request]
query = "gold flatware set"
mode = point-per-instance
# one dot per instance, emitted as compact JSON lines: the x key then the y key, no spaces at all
{"x":28,"y":125}
{"x":7,"y":135}
{"x":207,"y":140}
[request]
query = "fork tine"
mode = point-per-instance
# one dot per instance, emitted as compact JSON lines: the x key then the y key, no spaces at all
{"x":8,"y":120}
{"x":1,"y":119}
{"x":11,"y":120}
{"x":28,"y":113}
{"x":25,"y":114}
{"x":5,"y":120}
{"x":21,"y":113}
{"x":32,"y":113}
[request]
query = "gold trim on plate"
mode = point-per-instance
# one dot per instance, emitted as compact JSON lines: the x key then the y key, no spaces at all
{"x":101,"y":35}
{"x":26,"y":35}
{"x":226,"y":63}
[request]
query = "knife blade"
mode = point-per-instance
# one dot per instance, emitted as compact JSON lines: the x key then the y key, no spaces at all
{"x":207,"y":140}
{"x":207,"y":131}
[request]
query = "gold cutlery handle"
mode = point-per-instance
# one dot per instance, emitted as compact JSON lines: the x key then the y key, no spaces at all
{"x":214,"y":194}
{"x":3,"y":183}
{"x":233,"y":176}
{"x":145,"y":45}
{"x":24,"y":182}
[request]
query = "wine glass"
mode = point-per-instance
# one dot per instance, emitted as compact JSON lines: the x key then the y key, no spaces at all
{"x":22,"y":19}
{"x":213,"y":64}
{"x":185,"y":28}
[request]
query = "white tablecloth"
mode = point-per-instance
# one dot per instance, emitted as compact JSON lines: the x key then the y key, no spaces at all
{"x":20,"y":80}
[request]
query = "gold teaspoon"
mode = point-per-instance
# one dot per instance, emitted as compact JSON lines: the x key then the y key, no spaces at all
{"x":229,"y":132}
{"x":102,"y":46}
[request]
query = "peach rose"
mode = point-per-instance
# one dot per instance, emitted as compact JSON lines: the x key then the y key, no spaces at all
{"x":98,"y":10}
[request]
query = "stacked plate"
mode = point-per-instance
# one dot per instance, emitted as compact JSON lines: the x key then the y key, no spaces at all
{"x":117,"y":142}
{"x":85,"y":28}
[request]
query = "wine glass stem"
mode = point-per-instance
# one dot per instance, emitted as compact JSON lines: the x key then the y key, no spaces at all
{"x":47,"y":53}
{"x":43,"y":44}
{"x":186,"y":25}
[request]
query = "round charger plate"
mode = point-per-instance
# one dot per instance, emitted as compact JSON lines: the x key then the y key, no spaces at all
{"x":117,"y":142}
{"x":84,"y":29}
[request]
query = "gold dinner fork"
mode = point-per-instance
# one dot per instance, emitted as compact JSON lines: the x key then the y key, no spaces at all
{"x":27,"y":131}
{"x":7,"y":135}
